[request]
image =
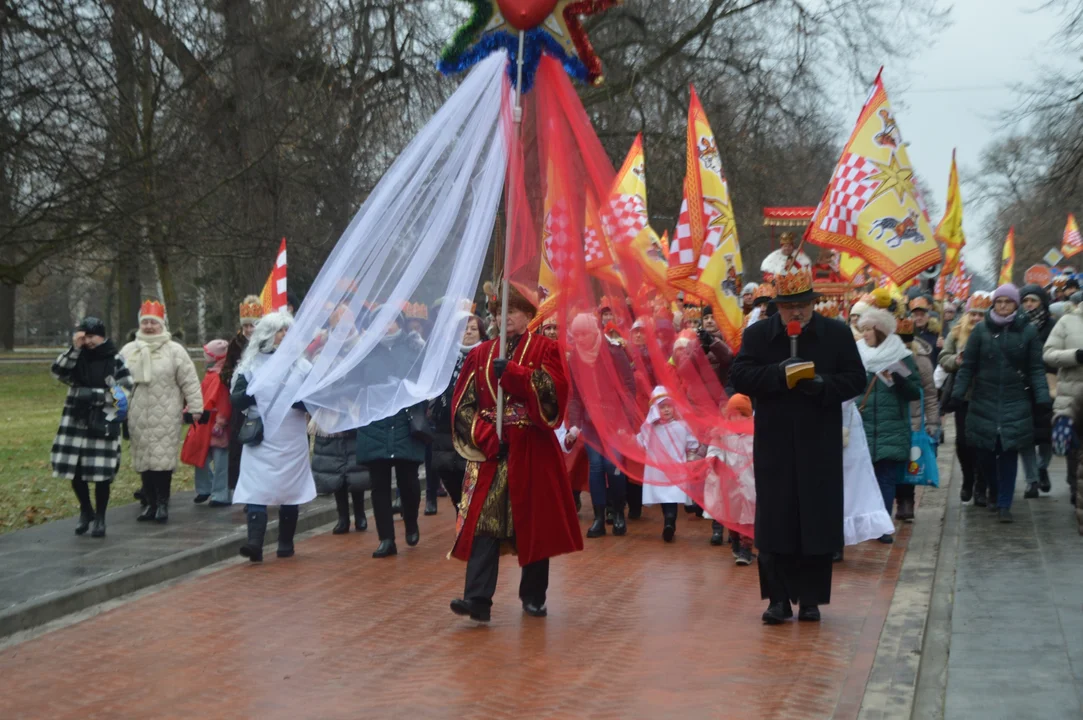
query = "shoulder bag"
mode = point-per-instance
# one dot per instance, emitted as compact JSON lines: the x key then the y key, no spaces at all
{"x":251,"y":432}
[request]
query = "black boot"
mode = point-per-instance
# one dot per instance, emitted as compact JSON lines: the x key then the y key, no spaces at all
{"x":716,"y":532}
{"x":360,"y":518}
{"x":597,"y":529}
{"x":150,"y":496}
{"x":777,"y":613}
{"x":342,"y":504}
{"x":86,"y":516}
{"x":430,"y":505}
{"x":620,"y":525}
{"x":386,"y":549}
{"x":669,"y":522}
{"x":287,"y":527}
{"x":101,"y":499}
{"x":1043,"y":480}
{"x":162,"y":515}
{"x":257,"y":529}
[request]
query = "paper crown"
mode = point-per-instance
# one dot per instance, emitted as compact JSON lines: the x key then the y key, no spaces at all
{"x":796,"y":281}
{"x":904,"y":326}
{"x":920,"y":303}
{"x":1060,"y":280}
{"x":152,"y":308}
{"x":415,"y":311}
{"x":979,"y":302}
{"x":693,"y":313}
{"x":786,"y":237}
{"x":251,"y":309}
{"x":763,"y":290}
{"x":607,"y":303}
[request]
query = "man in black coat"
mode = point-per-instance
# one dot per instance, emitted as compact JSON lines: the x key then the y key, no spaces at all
{"x":797,"y":451}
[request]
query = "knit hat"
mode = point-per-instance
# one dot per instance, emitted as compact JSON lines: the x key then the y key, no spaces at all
{"x":92,"y":326}
{"x":1077,"y":297}
{"x":860,"y":308}
{"x":881,"y":298}
{"x":739,"y":404}
{"x":878,"y":319}
{"x":1007,"y":290}
{"x":749,"y":288}
{"x":215,"y":350}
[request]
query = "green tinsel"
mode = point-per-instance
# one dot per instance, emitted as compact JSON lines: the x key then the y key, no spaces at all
{"x":468,"y":33}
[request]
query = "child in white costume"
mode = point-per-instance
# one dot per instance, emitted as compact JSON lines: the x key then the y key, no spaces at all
{"x":863,"y":515}
{"x":734,"y":449}
{"x":668,"y":439}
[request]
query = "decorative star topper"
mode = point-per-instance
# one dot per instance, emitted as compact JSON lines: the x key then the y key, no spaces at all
{"x":558,"y":33}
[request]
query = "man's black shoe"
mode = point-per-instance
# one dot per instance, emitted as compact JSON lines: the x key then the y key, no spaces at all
{"x":777,"y":613}
{"x":534,"y":610}
{"x":809,"y":613}
{"x":466,"y":608}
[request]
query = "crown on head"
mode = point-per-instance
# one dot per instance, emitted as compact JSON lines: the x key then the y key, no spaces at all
{"x":152,"y":308}
{"x":693,"y":313}
{"x":981,"y":303}
{"x":904,"y":326}
{"x":763,"y":290}
{"x":795,"y":281}
{"x":786,"y":237}
{"x":251,"y":308}
{"x":415,"y":311}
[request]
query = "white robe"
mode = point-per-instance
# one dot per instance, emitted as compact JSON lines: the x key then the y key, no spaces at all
{"x":863,"y":516}
{"x":673,"y":440}
{"x":277,"y":471}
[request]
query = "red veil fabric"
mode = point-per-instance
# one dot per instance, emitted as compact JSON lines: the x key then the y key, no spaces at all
{"x":556,"y":164}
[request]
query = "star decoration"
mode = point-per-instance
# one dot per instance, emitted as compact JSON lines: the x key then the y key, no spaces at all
{"x":724,"y":219}
{"x":560,"y":35}
{"x":892,"y":176}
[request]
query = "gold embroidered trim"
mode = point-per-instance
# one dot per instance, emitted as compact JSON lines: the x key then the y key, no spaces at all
{"x":545,"y":392}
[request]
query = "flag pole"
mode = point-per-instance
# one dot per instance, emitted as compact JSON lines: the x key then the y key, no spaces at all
{"x":517,"y":117}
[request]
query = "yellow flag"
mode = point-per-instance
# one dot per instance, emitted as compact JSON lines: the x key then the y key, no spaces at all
{"x":872,"y":207}
{"x":1007,"y":258}
{"x":555,"y":247}
{"x":705,"y":255}
{"x":1071,"y":243}
{"x":630,"y":229}
{"x":850,"y":265}
{"x":950,"y":229}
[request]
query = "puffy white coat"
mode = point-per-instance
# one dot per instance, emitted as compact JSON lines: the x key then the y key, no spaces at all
{"x":156,"y":409}
{"x":1059,"y":352}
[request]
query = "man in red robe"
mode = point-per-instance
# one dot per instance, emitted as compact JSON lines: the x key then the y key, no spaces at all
{"x":516,"y":492}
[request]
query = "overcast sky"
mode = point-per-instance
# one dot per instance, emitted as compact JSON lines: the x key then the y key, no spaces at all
{"x":952,"y":93}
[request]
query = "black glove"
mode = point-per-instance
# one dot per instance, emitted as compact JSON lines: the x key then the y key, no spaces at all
{"x":205,"y":417}
{"x":705,"y":340}
{"x":810,"y":386}
{"x":1079,"y":357}
{"x":188,"y":418}
{"x":499,"y":366}
{"x":785,"y":363}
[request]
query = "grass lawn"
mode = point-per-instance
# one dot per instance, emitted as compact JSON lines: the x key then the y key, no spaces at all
{"x":30,"y":404}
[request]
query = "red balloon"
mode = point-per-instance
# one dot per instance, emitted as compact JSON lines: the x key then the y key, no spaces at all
{"x":525,"y":14}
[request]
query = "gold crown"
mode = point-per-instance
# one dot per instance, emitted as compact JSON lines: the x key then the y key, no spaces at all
{"x":693,"y":313}
{"x":152,"y":308}
{"x":251,"y":308}
{"x":794,"y":281}
{"x":415,"y":311}
{"x":764,"y":290}
{"x":786,"y":237}
{"x":980,"y":303}
{"x":904,"y":326}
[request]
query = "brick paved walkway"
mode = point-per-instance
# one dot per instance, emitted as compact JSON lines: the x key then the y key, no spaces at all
{"x":636,"y":629}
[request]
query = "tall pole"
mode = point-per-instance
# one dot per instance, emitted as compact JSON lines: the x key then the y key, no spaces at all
{"x":517,"y":117}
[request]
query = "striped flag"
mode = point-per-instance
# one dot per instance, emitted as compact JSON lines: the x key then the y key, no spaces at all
{"x":950,"y":230}
{"x":1072,"y":243}
{"x":273,"y":295}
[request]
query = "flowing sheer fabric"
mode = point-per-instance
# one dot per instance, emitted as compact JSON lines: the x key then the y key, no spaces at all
{"x":561,"y":224}
{"x":420,"y":237}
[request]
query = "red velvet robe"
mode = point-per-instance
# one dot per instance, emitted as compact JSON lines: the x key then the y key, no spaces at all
{"x":542,"y":506}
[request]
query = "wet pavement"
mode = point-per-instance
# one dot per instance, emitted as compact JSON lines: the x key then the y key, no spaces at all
{"x":1016,"y":643}
{"x":636,"y":629}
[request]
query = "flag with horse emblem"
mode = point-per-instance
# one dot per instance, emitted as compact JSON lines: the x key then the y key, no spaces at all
{"x":872,"y":206}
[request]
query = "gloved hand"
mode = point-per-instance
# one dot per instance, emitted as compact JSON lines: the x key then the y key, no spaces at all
{"x":499,"y":366}
{"x":205,"y":417}
{"x":502,"y":454}
{"x":705,"y":339}
{"x":785,"y":363}
{"x":810,"y":386}
{"x":188,"y":418}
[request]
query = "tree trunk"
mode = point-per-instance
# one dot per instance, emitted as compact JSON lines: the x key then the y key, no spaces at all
{"x":129,"y":289}
{"x":7,"y":316}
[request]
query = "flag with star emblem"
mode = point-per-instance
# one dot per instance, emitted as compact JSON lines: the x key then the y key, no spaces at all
{"x":872,"y":206}
{"x":950,"y":229}
{"x":630,"y":230}
{"x":705,"y":255}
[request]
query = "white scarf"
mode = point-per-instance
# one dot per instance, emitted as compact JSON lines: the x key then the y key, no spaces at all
{"x":141,"y":365}
{"x":891,"y":350}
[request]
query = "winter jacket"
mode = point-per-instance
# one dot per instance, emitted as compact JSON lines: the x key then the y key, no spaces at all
{"x":391,"y":439}
{"x":156,"y":409}
{"x":1060,"y":353}
{"x":1046,"y":327}
{"x":923,"y":360}
{"x":886,"y":414}
{"x":1003,"y":365}
{"x":334,"y":462}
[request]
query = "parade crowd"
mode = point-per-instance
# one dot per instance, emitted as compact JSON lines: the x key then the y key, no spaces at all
{"x":816,"y":464}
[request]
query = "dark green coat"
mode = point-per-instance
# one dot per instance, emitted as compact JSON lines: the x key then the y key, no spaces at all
{"x":1000,"y":364}
{"x":391,"y":439}
{"x":887,"y":414}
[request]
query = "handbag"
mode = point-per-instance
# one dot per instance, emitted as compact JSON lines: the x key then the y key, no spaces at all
{"x":947,"y":404}
{"x":921,"y":469}
{"x":251,"y":432}
{"x":420,"y":429}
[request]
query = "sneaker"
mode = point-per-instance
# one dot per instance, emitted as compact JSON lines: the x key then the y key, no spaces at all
{"x":735,"y":549}
{"x":200,"y":499}
{"x":1031,"y":491}
{"x":1005,"y":515}
{"x":743,"y":556}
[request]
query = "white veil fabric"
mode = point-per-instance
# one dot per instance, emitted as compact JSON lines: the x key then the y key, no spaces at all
{"x":420,"y":237}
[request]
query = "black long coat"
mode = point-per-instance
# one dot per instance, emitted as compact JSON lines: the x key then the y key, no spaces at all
{"x":797,"y":449}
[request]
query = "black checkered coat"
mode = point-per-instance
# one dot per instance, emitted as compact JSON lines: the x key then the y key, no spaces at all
{"x":98,"y":459}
